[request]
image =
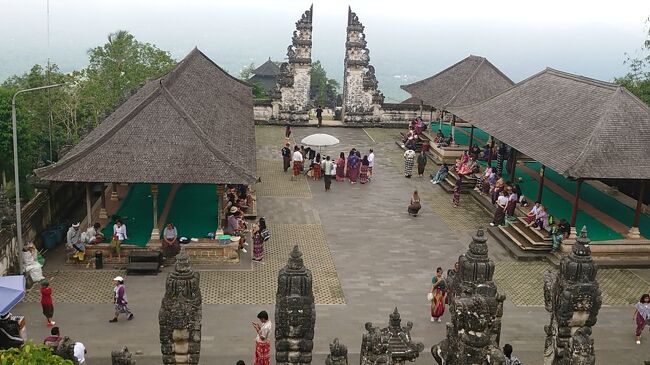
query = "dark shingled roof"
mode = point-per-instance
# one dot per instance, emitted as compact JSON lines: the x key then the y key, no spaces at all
{"x":268,"y":82}
{"x":467,"y":82}
{"x":577,"y":126}
{"x":268,"y":68}
{"x":192,"y":125}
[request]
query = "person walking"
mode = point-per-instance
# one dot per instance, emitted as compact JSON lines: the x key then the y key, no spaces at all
{"x":507,"y":352}
{"x":297,"y":162}
{"x":286,"y":156}
{"x":119,"y":299}
{"x":262,"y":355}
{"x":287,"y":131}
{"x":437,"y":295}
{"x":371,"y":163}
{"x":46,"y":302}
{"x":327,"y":167}
{"x":641,"y":316}
{"x":319,"y":115}
{"x":422,"y":163}
{"x":455,"y":199}
{"x":409,"y":157}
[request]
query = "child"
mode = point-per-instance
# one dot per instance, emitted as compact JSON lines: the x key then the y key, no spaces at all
{"x":46,"y":302}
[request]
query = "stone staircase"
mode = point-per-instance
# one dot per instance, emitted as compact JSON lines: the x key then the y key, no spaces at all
{"x":467,"y":182}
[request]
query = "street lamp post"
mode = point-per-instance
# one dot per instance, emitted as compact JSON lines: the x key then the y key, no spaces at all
{"x":19,"y":224}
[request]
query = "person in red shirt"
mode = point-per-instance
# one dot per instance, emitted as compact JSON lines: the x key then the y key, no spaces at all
{"x":54,"y":338}
{"x":46,"y":302}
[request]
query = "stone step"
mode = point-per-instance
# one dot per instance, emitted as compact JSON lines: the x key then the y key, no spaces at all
{"x":500,"y":237}
{"x":522,"y":241}
{"x":542,"y":235}
{"x":528,"y":233}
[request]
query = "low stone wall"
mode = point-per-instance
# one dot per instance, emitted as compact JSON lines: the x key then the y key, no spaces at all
{"x":262,"y":109}
{"x":8,"y":251}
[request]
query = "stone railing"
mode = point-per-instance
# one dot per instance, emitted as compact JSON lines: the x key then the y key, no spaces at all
{"x":8,"y":251}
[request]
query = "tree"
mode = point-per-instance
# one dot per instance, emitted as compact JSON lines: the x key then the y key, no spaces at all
{"x":322,"y":90}
{"x":246,"y":72}
{"x":637,"y":79}
{"x":117,"y":67}
{"x":31,"y":353}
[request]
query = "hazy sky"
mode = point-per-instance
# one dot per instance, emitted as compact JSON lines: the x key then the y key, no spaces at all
{"x":408,"y":39}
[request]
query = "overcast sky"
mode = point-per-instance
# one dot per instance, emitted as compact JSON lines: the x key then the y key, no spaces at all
{"x":408,"y":39}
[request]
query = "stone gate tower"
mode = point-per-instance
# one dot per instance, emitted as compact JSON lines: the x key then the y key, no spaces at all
{"x":291,"y":95}
{"x":361,"y":97}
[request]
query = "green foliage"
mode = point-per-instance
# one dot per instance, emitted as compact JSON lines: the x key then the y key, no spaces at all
{"x":258,"y":91}
{"x":116,"y":68}
{"x":31,"y":354}
{"x":637,"y":79}
{"x":323,"y":90}
{"x":246,"y":72}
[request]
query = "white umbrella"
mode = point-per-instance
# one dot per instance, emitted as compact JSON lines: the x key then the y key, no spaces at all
{"x":320,"y":140}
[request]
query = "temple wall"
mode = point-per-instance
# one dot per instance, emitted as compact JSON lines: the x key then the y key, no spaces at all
{"x":262,"y":109}
{"x":301,"y":84}
{"x":354,"y":96}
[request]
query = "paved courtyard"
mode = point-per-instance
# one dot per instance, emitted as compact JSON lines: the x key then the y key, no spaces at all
{"x":367,"y":256}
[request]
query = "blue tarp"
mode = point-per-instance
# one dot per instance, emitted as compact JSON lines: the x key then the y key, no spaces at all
{"x":12,"y":291}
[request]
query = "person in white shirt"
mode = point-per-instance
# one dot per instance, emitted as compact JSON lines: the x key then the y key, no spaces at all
{"x":80,"y":352}
{"x":93,"y":234}
{"x":500,"y":212}
{"x":119,"y":235}
{"x":371,"y":160}
{"x":297,"y":162}
{"x":262,"y":340}
{"x":530,"y":217}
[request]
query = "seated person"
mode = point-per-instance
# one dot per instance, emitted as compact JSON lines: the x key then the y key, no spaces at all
{"x":170,"y":245}
{"x":249,"y":195}
{"x":446,"y":142}
{"x":530,"y":217}
{"x":556,"y":236}
{"x":440,"y":174}
{"x":54,"y":338}
{"x":487,"y":152}
{"x":411,"y":143}
{"x":440,"y":137}
{"x":93,"y":235}
{"x":468,"y":168}
{"x":9,"y":332}
{"x":31,"y":265}
{"x":564,"y":228}
{"x":475,"y":151}
{"x":236,"y":227}
{"x":541,"y":219}
{"x":74,"y":242}
{"x":462,"y":160}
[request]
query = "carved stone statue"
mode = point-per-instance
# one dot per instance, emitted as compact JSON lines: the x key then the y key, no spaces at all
{"x":180,"y":315}
{"x":390,"y":345}
{"x":295,"y":313}
{"x":573,"y":298}
{"x":338,"y":354}
{"x":476,"y":309}
{"x":374,"y":348}
{"x":122,"y":357}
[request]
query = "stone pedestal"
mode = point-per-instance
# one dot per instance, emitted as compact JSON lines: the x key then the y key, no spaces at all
{"x":573,"y":234}
{"x":114,"y":196}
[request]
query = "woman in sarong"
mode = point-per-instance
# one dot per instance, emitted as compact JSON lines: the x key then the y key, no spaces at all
{"x":363,"y":172}
{"x":315,"y":167}
{"x":415,"y":206}
{"x":469,"y":167}
{"x":439,"y":292}
{"x":462,"y":160}
{"x":258,"y":243}
{"x":409,"y":158}
{"x":119,"y":300}
{"x":353,"y":167}
{"x":262,"y":355}
{"x":500,"y":212}
{"x":456,"y":193}
{"x":641,"y":316}
{"x":340,"y":167}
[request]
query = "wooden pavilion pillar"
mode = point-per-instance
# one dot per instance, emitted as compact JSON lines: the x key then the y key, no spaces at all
{"x":491,"y":143}
{"x":221,"y":189}
{"x":89,"y":206}
{"x":114,"y":196}
{"x":155,"y":231}
{"x":441,"y":114}
{"x":453,"y":129}
{"x":634,"y":230}
{"x":540,"y":187}
{"x":103,"y":214}
{"x":512,"y":164}
{"x":574,"y":209}
{"x":421,"y":106}
{"x":471,"y":136}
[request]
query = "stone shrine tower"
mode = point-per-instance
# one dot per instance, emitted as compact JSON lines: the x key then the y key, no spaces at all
{"x":361,"y":97}
{"x":295,"y":313}
{"x":291,"y":94}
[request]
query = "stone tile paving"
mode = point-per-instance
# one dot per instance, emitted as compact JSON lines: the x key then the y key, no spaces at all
{"x":78,"y":286}
{"x":522,"y":282}
{"x":275,"y":182}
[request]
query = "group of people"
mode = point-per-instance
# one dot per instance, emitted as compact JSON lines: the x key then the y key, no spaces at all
{"x":76,"y":240}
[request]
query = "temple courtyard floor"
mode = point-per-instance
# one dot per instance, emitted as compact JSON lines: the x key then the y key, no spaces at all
{"x":367,"y":256}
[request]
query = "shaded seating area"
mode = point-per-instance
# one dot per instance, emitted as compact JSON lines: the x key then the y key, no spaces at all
{"x":577,"y":129}
{"x":175,"y":145}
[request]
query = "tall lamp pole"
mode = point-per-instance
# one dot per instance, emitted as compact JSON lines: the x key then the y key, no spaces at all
{"x":19,"y":224}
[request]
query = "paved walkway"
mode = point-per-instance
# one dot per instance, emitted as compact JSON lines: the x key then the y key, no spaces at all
{"x":380,"y":258}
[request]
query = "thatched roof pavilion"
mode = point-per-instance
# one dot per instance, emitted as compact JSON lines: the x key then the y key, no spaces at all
{"x":192,"y":125}
{"x":580,"y":127}
{"x":468,"y":81}
{"x":266,"y":74}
